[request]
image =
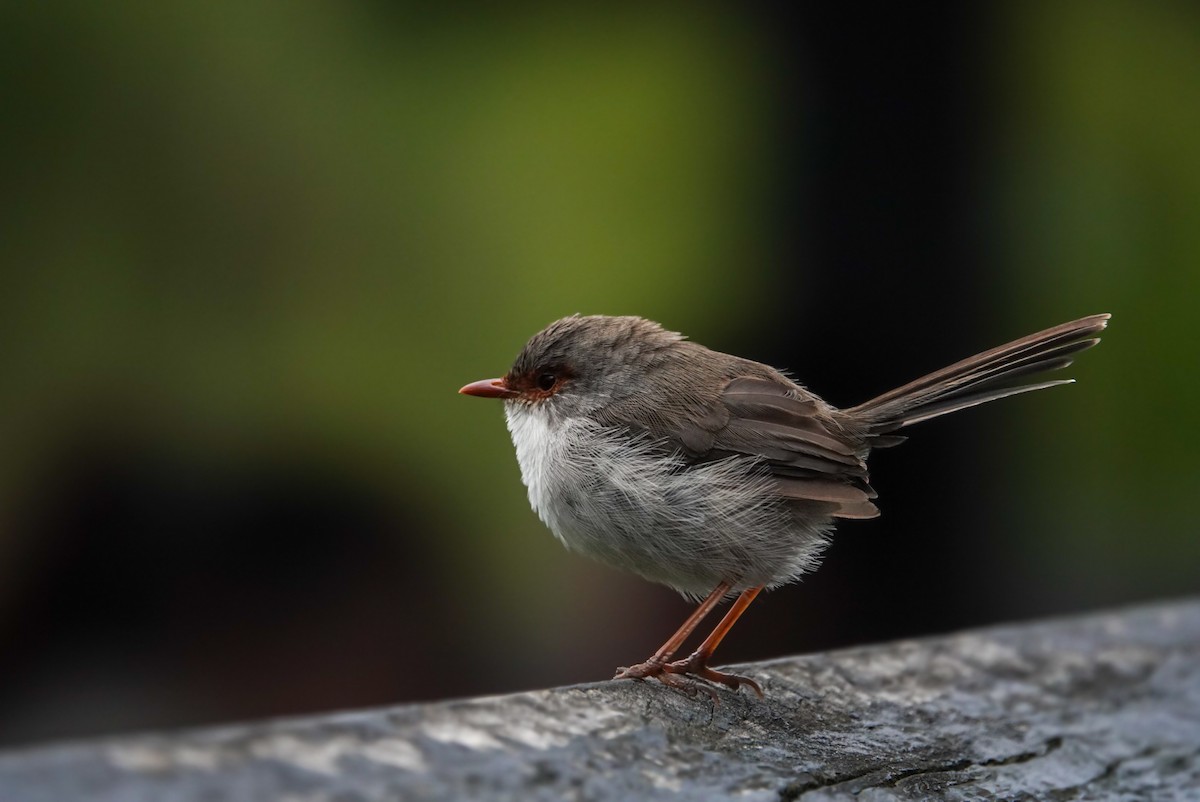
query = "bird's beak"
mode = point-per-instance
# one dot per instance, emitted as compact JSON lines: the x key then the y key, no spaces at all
{"x":488,"y":388}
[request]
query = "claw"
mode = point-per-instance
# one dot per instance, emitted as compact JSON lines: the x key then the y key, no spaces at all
{"x":684,"y":675}
{"x":692,"y":668}
{"x":650,"y":668}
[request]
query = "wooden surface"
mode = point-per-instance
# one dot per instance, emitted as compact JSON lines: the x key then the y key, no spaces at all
{"x":1100,"y":707}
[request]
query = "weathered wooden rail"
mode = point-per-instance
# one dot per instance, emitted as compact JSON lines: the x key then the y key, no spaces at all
{"x":1100,"y":707}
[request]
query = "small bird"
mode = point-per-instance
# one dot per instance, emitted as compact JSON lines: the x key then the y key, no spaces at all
{"x":713,"y":474}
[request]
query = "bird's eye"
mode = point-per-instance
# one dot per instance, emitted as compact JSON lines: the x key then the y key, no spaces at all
{"x":546,"y":381}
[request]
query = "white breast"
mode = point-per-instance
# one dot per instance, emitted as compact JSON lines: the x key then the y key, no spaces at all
{"x":537,"y":442}
{"x":627,"y":503}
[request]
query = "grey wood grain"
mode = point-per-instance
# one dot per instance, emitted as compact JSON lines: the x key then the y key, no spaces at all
{"x":1099,"y":707}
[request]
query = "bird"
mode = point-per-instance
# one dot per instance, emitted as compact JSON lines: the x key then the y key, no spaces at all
{"x":713,"y":474}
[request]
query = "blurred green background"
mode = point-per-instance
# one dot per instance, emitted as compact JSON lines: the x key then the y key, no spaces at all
{"x":251,"y":250}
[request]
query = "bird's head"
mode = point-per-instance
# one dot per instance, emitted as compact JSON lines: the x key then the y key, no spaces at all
{"x":580,"y":363}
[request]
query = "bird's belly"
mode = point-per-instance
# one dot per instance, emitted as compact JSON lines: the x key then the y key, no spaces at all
{"x":636,"y":507}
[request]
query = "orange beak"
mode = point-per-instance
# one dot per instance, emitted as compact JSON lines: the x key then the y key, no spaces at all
{"x":488,"y":388}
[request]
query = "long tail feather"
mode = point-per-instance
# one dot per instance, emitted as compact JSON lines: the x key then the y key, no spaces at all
{"x":979,"y":379}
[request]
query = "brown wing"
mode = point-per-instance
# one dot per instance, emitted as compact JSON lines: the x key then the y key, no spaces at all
{"x":816,"y":463}
{"x":758,"y":413}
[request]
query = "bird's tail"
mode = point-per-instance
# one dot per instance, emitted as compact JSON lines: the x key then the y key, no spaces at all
{"x":978,"y":379}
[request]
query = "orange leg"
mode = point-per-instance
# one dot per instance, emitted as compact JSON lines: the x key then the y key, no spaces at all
{"x":654,"y":666}
{"x":696,"y":664}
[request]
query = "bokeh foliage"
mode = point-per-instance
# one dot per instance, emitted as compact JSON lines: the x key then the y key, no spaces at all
{"x":1100,"y":181}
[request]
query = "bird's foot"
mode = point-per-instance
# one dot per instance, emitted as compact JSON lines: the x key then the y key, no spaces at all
{"x":697,"y":666}
{"x":683,"y":675}
{"x":658,"y":669}
{"x":654,"y":667}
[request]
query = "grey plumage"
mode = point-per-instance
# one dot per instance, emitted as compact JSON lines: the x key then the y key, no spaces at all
{"x":691,"y":467}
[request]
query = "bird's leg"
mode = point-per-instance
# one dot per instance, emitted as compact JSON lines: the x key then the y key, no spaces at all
{"x":696,"y":664}
{"x":655,"y":666}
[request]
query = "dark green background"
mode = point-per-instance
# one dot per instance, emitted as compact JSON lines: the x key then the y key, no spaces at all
{"x":251,"y":250}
